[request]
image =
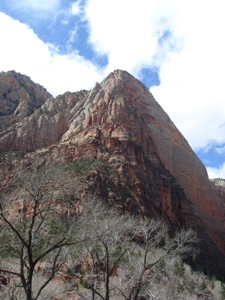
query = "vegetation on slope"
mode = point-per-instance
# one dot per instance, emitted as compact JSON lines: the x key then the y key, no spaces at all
{"x":48,"y":236}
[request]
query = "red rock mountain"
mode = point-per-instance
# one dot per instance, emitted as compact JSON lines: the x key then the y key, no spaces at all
{"x":137,"y":159}
{"x":20,"y":96}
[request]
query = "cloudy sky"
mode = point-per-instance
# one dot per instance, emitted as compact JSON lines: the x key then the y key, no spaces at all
{"x":175,"y":47}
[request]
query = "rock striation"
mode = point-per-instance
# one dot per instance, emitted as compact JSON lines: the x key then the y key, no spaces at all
{"x":137,"y":159}
{"x":19,"y":94}
{"x":30,"y":118}
{"x":19,"y":97}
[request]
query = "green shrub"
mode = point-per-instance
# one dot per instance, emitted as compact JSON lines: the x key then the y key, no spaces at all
{"x":222,"y":293}
{"x":203,"y":285}
{"x":83,"y":166}
{"x":179,"y":268}
{"x":85,"y":284}
{"x":212,"y":282}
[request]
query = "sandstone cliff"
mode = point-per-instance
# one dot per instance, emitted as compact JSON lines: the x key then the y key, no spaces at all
{"x":30,"y":118}
{"x":19,"y":97}
{"x":133,"y":155}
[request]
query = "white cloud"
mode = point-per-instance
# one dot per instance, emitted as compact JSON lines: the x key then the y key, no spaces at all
{"x":127,"y":31}
{"x":220,"y":150}
{"x":75,"y":8}
{"x":191,"y":57}
{"x":216,"y":172}
{"x":191,"y":89}
{"x":66,"y":14}
{"x":72,"y":38}
{"x":23,"y":51}
{"x":183,"y":38}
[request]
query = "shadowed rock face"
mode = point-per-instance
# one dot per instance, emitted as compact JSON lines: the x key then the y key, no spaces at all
{"x":142,"y":162}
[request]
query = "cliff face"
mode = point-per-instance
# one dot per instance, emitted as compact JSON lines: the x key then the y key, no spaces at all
{"x":19,"y":97}
{"x":158,"y":173}
{"x":30,"y":118}
{"x":136,"y":157}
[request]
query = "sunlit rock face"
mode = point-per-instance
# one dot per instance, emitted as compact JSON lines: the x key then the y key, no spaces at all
{"x":158,"y":173}
{"x":139,"y":161}
{"x":30,"y":118}
{"x":19,"y":98}
{"x":19,"y":95}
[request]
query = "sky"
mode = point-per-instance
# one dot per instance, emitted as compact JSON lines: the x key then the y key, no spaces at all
{"x":175,"y":47}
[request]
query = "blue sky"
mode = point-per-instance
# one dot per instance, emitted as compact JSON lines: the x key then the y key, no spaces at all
{"x":175,"y":47}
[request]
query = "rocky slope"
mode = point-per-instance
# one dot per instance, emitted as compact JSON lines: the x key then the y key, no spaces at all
{"x":20,"y":96}
{"x":43,"y":127}
{"x":133,"y":155}
{"x":218,"y":185}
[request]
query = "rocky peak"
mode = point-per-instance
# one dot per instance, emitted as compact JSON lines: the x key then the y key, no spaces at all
{"x":19,"y":95}
{"x":43,"y":127}
{"x":136,"y":157}
{"x":159,"y":174}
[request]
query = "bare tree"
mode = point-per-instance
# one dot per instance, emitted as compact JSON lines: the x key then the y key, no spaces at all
{"x":107,"y":248}
{"x":38,"y":218}
{"x":154,"y":246}
{"x":125,"y":250}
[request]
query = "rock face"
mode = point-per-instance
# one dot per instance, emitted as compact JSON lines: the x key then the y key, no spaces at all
{"x":134,"y":156}
{"x":19,"y":97}
{"x":30,"y":118}
{"x":218,"y":185}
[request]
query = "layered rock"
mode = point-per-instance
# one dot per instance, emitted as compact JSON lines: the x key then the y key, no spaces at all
{"x":159,"y":174}
{"x":134,"y":156}
{"x":44,"y":126}
{"x":218,"y":185}
{"x":19,"y":97}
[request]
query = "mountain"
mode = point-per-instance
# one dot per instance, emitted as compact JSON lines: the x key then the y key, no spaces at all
{"x":20,"y":96}
{"x":124,"y":146}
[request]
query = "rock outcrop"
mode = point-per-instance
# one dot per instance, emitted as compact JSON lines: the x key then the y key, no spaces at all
{"x":30,"y":118}
{"x":218,"y":185}
{"x":134,"y":156}
{"x":19,"y":94}
{"x":19,"y":97}
{"x":158,"y":172}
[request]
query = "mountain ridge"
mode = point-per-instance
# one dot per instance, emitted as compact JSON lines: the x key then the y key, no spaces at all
{"x":155,"y":172}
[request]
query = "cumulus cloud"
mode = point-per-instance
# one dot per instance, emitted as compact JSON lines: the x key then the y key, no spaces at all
{"x":184,"y":40}
{"x":128,"y":31}
{"x":23,"y":51}
{"x":191,"y":89}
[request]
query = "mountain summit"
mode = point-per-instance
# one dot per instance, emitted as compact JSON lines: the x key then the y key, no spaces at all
{"x":137,"y":159}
